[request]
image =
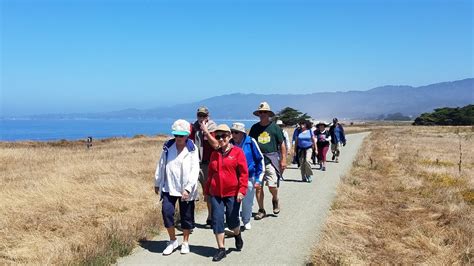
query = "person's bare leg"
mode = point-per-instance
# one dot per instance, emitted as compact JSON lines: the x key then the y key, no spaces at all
{"x":274,"y":191}
{"x":171,"y":233}
{"x":259,"y":195}
{"x":186,"y":233}
{"x":220,"y":240}
{"x":236,"y":230}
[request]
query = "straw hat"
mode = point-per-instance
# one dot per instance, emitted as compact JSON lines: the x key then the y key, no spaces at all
{"x":223,"y":127}
{"x":264,"y":106}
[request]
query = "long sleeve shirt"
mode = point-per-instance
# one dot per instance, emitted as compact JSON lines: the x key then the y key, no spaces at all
{"x":228,"y":173}
{"x":254,"y":156}
{"x":178,"y":172}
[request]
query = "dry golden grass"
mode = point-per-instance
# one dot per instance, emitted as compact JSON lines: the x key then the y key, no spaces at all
{"x":405,"y":200}
{"x":64,"y":204}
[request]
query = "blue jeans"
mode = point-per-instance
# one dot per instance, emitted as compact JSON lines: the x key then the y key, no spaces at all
{"x":228,"y":207}
{"x":247,"y":202}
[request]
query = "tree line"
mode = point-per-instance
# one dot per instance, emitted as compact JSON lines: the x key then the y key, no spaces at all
{"x":459,"y":116}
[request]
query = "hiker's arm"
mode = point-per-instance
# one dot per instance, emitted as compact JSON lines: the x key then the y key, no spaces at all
{"x":210,"y":138}
{"x":159,"y":173}
{"x":283,"y":156}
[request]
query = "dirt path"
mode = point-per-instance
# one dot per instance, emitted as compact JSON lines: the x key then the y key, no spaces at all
{"x":283,"y":239}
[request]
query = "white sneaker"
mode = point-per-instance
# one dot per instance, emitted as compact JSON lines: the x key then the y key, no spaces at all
{"x":170,"y":247}
{"x":248,"y":226}
{"x":185,"y":248}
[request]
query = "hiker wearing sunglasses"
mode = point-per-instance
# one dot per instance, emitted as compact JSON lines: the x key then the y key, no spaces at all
{"x":176,"y":179}
{"x":255,"y":167}
{"x":201,"y":131}
{"x":226,"y":187}
{"x":270,"y":140}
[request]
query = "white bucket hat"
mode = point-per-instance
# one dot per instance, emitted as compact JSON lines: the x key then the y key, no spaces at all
{"x":238,"y":127}
{"x":181,"y":127}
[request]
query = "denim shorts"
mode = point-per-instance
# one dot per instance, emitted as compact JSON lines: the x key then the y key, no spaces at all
{"x":228,"y":208}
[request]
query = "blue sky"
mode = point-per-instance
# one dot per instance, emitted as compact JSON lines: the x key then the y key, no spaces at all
{"x":89,"y":56}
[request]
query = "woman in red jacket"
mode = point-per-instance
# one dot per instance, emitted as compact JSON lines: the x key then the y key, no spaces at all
{"x":226,"y":185}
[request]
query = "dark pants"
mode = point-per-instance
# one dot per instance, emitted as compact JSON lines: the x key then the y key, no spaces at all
{"x":186,"y":211}
{"x":228,"y":207}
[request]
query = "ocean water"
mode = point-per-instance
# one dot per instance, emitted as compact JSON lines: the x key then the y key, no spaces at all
{"x":49,"y":130}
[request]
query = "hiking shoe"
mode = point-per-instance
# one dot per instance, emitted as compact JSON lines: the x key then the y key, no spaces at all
{"x":333,"y":157}
{"x":170,"y":247}
{"x":219,"y":255}
{"x":309,"y":179}
{"x":247,"y":226}
{"x":185,"y":248}
{"x":239,"y":243}
{"x":304,"y":179}
{"x":276,"y":206}
{"x":260,"y":214}
{"x":323,"y":168}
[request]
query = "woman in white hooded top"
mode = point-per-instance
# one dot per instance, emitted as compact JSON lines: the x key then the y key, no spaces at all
{"x":176,"y":179}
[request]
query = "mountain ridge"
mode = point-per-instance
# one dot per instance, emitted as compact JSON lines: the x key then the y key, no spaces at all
{"x":368,"y":104}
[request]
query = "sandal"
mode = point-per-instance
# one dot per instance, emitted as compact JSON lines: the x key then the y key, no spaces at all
{"x":260,"y":214}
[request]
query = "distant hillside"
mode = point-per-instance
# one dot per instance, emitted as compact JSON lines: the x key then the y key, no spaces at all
{"x":350,"y":105}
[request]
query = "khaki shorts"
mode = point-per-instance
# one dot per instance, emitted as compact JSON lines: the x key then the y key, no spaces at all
{"x":203,"y":174}
{"x":270,"y":177}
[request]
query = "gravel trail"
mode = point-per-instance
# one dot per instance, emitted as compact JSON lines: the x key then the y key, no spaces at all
{"x":286,"y":238}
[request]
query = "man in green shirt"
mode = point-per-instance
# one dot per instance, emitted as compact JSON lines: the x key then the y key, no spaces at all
{"x":270,"y":140}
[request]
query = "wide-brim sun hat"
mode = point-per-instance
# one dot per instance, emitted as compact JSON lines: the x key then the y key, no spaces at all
{"x":264,"y":106}
{"x":240,"y":127}
{"x":223,"y":128}
{"x":324,"y":123}
{"x":181,"y":127}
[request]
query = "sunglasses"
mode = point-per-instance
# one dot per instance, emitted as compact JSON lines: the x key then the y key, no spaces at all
{"x":179,"y":136}
{"x":221,"y":136}
{"x":202,"y":115}
{"x":236,"y":132}
{"x":263,"y":112}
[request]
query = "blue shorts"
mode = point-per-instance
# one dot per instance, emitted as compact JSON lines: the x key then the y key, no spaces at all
{"x":228,"y":207}
{"x":186,"y":211}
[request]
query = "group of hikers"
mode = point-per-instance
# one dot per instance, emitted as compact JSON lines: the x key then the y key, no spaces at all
{"x":232,"y":167}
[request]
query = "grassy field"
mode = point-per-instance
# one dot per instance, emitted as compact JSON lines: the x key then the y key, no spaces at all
{"x":408,"y":199}
{"x":62,"y":203}
{"x":404,"y":201}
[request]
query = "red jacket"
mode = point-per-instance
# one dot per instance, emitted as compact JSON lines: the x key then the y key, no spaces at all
{"x":228,"y":174}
